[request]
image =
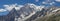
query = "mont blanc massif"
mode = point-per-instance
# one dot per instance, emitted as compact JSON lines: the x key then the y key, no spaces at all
{"x":31,"y":12}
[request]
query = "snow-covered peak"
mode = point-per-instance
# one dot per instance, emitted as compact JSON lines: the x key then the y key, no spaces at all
{"x":18,"y":7}
{"x":39,"y":8}
{"x":29,"y":10}
{"x":31,"y":5}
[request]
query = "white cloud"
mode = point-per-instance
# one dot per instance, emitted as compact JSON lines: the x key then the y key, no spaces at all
{"x":10,"y":7}
{"x":52,"y":3}
{"x":44,"y":3}
{"x":57,"y":0}
{"x":36,"y":0}
{"x":2,"y":10}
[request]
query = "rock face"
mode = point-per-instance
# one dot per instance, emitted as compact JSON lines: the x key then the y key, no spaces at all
{"x":28,"y":10}
{"x":52,"y":15}
{"x":10,"y":16}
{"x":44,"y":13}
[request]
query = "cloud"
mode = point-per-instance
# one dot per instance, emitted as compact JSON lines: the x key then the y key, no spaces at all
{"x":36,"y":0}
{"x":57,"y":0}
{"x":3,"y":10}
{"x":44,"y":3}
{"x":52,"y":3}
{"x":10,"y":7}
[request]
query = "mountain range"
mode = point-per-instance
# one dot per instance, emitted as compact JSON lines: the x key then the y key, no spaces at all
{"x":30,"y":12}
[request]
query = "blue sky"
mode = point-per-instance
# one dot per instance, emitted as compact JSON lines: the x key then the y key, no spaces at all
{"x":2,"y":2}
{"x":4,"y":13}
{"x":22,"y":2}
